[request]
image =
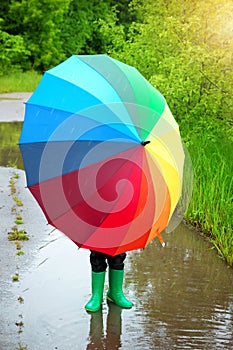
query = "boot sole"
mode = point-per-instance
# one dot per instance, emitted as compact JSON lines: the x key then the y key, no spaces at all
{"x":123,"y":307}
{"x":91,"y":310}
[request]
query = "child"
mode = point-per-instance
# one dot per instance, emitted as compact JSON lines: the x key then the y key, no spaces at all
{"x":116,"y":277}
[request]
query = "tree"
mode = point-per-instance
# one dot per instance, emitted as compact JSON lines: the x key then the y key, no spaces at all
{"x":89,"y":27}
{"x":52,"y":30}
{"x":79,"y":27}
{"x":185,"y":50}
{"x":38,"y":22}
{"x":13,"y":52}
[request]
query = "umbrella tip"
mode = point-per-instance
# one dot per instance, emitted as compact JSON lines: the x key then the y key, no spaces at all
{"x":144,"y":143}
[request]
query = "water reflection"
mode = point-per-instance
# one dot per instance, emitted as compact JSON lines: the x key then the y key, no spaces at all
{"x":111,"y":339}
{"x":185,"y":293}
{"x":9,"y":150}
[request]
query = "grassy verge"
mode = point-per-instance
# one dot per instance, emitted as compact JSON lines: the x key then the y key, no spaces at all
{"x":211,"y":207}
{"x":19,"y":82}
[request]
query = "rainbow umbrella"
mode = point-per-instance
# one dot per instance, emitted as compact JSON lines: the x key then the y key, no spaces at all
{"x":102,"y":154}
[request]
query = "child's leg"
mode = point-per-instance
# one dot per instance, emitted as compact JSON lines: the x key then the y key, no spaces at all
{"x":98,"y":266}
{"x":98,"y":261}
{"x":116,"y":262}
{"x":116,"y":277}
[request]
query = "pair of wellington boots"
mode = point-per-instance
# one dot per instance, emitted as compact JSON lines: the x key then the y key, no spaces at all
{"x":114,"y":294}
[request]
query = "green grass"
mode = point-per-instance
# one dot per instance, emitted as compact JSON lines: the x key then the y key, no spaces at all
{"x":211,"y":207}
{"x":19,"y":82}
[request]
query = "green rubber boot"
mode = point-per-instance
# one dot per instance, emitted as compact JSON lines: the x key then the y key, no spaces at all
{"x":115,"y":293}
{"x":97,"y":288}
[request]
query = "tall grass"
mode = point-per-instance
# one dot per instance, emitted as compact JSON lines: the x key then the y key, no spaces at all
{"x":211,"y":207}
{"x":19,"y":82}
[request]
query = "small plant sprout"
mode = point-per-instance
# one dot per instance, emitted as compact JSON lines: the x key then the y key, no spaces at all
{"x":20,"y":324}
{"x":16,"y":175}
{"x":12,"y":186}
{"x":20,"y":252}
{"x":20,"y":299}
{"x":18,"y":245}
{"x":18,"y":202}
{"x":19,"y":222}
{"x":15,"y":278}
{"x":13,"y":209}
{"x":21,"y":347}
{"x":19,"y":217}
{"x":17,"y":235}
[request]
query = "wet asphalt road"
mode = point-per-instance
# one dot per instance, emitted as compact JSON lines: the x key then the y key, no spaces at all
{"x":12,"y":106}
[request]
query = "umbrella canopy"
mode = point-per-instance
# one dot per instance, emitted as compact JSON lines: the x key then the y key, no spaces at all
{"x":102,"y":154}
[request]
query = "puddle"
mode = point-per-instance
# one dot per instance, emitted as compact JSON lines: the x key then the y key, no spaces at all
{"x":9,"y":150}
{"x":183,"y":293}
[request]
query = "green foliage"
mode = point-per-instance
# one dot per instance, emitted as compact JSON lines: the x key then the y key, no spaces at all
{"x":180,"y":50}
{"x":112,"y":34}
{"x":13,"y":52}
{"x":88,"y":29}
{"x":39,"y":23}
{"x":52,"y":30}
{"x":78,"y":31}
